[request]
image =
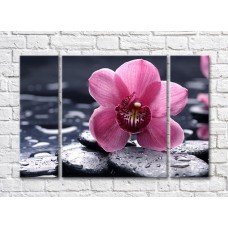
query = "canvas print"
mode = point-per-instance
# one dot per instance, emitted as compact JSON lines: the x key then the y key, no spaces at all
{"x":38,"y":116}
{"x":114,"y":116}
{"x":190,"y":111}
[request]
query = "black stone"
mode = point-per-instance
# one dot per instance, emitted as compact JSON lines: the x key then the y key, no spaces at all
{"x":81,"y":161}
{"x":39,"y":166}
{"x":199,"y":113}
{"x":184,"y":165}
{"x":86,"y":139}
{"x":136,"y":161}
{"x":199,"y":148}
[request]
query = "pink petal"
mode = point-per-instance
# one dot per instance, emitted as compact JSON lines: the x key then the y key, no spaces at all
{"x":203,"y":132}
{"x":154,"y":136}
{"x":158,"y":105}
{"x":103,"y":89}
{"x":204,"y":65}
{"x":176,"y":134}
{"x":106,"y":130}
{"x":137,"y":75}
{"x":178,"y":98}
{"x":203,"y":97}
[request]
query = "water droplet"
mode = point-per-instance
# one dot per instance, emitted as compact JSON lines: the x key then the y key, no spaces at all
{"x":148,"y":165}
{"x":180,"y":165}
{"x":158,"y":165}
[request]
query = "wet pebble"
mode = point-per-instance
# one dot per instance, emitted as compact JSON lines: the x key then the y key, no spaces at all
{"x":199,"y":148}
{"x":81,"y":161}
{"x":199,"y":113}
{"x":39,"y":166}
{"x":86,"y":139}
{"x":184,"y":165}
{"x":135,"y":161}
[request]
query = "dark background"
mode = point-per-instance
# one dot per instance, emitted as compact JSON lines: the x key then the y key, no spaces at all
{"x":78,"y":69}
{"x":185,"y":70}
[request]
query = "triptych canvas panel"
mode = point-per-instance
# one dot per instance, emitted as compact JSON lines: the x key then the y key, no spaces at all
{"x":115,"y":116}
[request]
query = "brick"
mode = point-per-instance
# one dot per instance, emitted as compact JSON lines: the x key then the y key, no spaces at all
{"x":13,"y":85}
{"x":194,"y":185}
{"x":134,"y":184}
{"x":136,"y":42}
{"x":16,"y":113}
{"x":73,"y":42}
{"x":12,"y":42}
{"x":218,"y":128}
{"x":171,"y":194}
{"x":177,"y":33}
{"x":8,"y":155}
{"x":213,"y":141}
{"x":205,"y":194}
{"x":14,"y":141}
{"x":9,"y":99}
{"x":11,"y":185}
{"x":223,"y":114}
{"x":101,"y":184}
{"x":223,"y":57}
{"x":100,"y":33}
{"x":217,"y":184}
{"x":222,"y":170}
{"x":107,"y":43}
{"x":102,"y":52}
{"x":168,"y":185}
{"x":213,"y":114}
{"x":5,"y":170}
{"x":219,"y":71}
{"x":138,"y":52}
{"x":35,"y":32}
{"x":67,"y":185}
{"x":209,"y":33}
{"x":31,"y":185}
{"x":222,"y":141}
{"x":219,"y":155}
{"x":220,"y":100}
{"x":3,"y":85}
{"x":9,"y":70}
{"x":37,"y":42}
{"x":5,"y":113}
{"x":9,"y":127}
{"x":18,"y":53}
{"x":208,"y":43}
{"x":140,"y":33}
{"x":177,"y":43}
{"x":222,"y":85}
{"x":4,"y":142}
{"x":157,"y":42}
{"x":119,"y":194}
{"x":5,"y":56}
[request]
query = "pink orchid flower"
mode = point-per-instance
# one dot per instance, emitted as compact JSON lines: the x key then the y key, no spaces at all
{"x":204,"y":65}
{"x":203,"y":97}
{"x":133,"y":101}
{"x":203,"y":132}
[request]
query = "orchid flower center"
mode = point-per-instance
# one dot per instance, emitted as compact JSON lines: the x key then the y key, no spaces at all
{"x":131,"y":115}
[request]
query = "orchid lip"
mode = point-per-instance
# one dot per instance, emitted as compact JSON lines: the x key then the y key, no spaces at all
{"x":132,"y":116}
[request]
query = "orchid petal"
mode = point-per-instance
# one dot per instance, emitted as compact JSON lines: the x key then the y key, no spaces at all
{"x":137,"y":75}
{"x":106,"y":130}
{"x":204,"y":65}
{"x":176,"y":134}
{"x":203,"y":97}
{"x":178,"y":98}
{"x":158,"y":105}
{"x":103,"y":89}
{"x":154,"y":136}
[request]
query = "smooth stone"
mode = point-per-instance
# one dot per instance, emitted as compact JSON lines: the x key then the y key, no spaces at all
{"x":199,"y":113}
{"x":199,"y":148}
{"x":86,"y":139}
{"x":39,"y":166}
{"x":40,"y":154}
{"x":81,"y":161}
{"x":136,"y":161}
{"x":185,"y":165}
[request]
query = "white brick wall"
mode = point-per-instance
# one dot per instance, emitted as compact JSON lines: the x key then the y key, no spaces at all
{"x":14,"y":44}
